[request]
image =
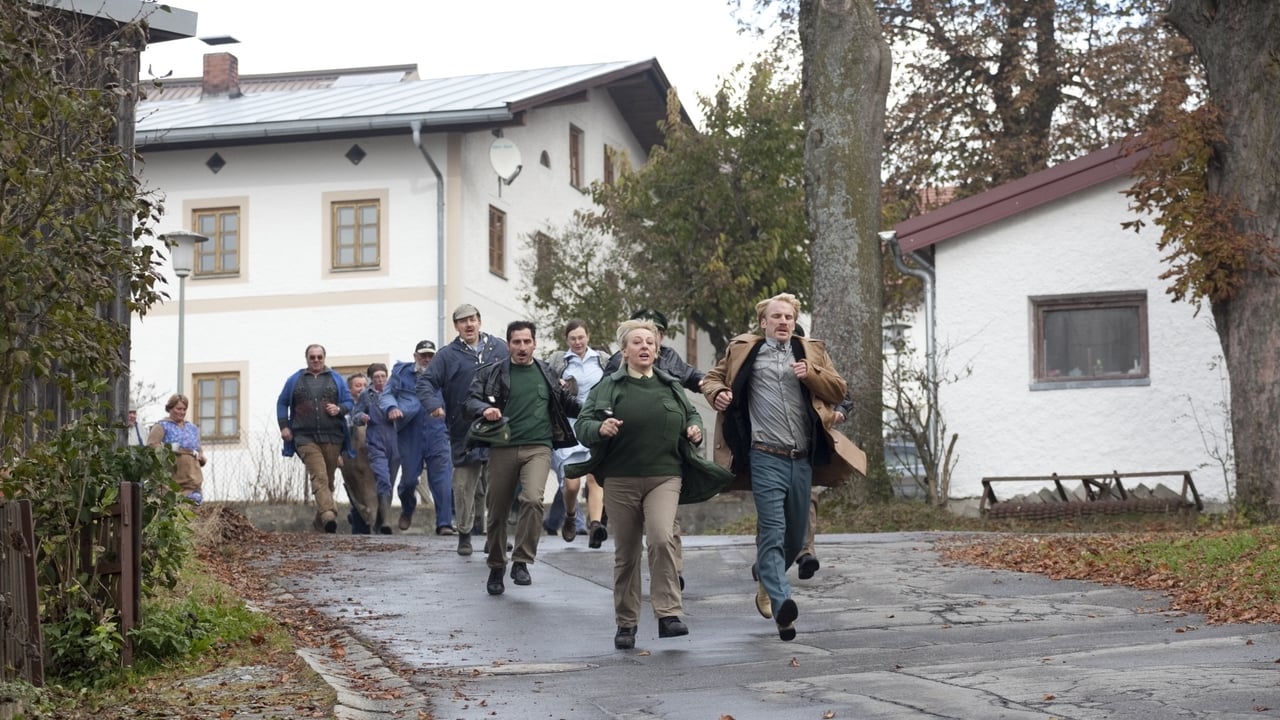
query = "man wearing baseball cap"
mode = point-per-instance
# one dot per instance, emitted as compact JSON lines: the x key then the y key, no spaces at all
{"x":443,"y":390}
{"x":423,"y":441}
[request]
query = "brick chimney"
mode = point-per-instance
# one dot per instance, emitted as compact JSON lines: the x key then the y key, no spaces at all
{"x":221,"y":75}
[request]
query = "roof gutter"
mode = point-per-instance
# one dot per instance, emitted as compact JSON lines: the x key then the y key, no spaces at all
{"x":255,"y":131}
{"x":416,"y":127}
{"x":923,"y":270}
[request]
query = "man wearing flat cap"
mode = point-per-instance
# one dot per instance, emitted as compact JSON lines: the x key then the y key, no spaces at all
{"x":422,"y":440}
{"x":443,"y":391}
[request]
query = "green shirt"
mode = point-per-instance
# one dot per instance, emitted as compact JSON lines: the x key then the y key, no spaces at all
{"x":528,"y":409}
{"x":653,"y":421}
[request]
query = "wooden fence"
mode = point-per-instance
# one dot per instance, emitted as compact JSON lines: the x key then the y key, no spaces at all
{"x":21,"y":647}
{"x":118,"y":568}
{"x":110,"y":552}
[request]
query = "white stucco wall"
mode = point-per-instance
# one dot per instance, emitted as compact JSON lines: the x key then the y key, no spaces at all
{"x":1074,"y":245}
{"x":285,"y":298}
{"x":538,"y":197}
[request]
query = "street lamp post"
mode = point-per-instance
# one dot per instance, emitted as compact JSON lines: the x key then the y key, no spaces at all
{"x":182,"y":251}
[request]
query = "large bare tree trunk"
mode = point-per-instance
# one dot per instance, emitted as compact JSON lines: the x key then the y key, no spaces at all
{"x":1239,"y":44}
{"x":846,"y":82}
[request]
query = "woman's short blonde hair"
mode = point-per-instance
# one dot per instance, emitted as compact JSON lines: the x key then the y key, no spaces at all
{"x":176,"y":398}
{"x":763,"y":305}
{"x":631,"y":326}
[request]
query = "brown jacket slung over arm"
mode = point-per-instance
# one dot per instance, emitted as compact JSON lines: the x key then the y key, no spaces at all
{"x":834,"y":457}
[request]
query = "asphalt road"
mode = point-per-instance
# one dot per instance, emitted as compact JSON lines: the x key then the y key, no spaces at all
{"x":885,"y":631}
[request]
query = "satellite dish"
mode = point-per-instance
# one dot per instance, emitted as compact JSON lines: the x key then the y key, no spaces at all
{"x":504,"y":157}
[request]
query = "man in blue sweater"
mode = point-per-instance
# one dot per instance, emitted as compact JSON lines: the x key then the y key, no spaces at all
{"x":311,"y":411}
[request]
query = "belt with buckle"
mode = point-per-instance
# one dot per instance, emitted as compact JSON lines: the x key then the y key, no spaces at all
{"x":786,"y":452}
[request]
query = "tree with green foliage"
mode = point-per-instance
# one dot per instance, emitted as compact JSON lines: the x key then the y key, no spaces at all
{"x":574,"y":271}
{"x":70,"y":211}
{"x":712,"y":223}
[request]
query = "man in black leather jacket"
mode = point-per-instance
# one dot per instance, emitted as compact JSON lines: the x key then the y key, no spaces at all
{"x":522,"y":390}
{"x":669,"y":361}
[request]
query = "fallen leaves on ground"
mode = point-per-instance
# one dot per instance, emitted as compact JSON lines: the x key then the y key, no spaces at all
{"x":280,"y":685}
{"x":1229,"y":576}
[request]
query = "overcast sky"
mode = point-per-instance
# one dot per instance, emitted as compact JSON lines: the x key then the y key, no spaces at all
{"x":695,"y":41}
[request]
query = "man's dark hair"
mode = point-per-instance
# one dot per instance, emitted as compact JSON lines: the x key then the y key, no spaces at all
{"x":515,"y":325}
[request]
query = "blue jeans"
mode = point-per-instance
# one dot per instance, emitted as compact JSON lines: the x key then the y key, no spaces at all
{"x":780,"y":487}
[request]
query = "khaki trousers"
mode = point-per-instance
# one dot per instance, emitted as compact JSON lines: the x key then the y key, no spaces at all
{"x":468,"y":488}
{"x":526,"y":466}
{"x":357,"y":477}
{"x":642,"y":508}
{"x":812,"y":526}
{"x":321,"y":461}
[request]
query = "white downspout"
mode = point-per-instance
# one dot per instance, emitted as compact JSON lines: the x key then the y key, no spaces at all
{"x":925,"y":273}
{"x":416,"y":126}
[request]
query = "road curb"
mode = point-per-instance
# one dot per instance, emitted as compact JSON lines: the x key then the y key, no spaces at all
{"x":367,"y":689}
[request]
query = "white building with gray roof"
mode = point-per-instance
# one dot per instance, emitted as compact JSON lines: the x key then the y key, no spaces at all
{"x":355,"y":208}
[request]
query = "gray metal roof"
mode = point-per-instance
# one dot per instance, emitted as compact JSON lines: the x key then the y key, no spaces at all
{"x":190,"y":88}
{"x":164,"y":22}
{"x":489,"y":99}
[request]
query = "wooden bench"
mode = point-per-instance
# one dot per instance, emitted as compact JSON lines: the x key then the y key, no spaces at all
{"x":1103,"y":493}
